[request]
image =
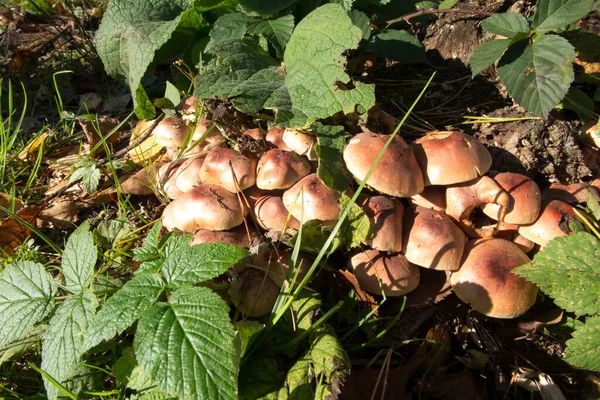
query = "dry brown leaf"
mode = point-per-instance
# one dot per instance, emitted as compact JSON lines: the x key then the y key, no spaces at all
{"x":364,"y":298}
{"x":32,"y":148}
{"x":104,"y":125}
{"x":148,"y":150}
{"x":139,"y":184}
{"x":6,"y":200}
{"x":89,"y":101}
{"x":13,"y":233}
{"x":62,"y":213}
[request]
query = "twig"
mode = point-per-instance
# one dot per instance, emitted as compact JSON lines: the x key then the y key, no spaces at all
{"x":450,"y":11}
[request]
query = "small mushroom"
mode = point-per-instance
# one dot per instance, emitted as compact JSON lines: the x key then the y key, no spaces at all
{"x":449,"y":157}
{"x":204,"y":207}
{"x":397,"y":173}
{"x":386,"y":215}
{"x":253,"y":292}
{"x":171,"y":132}
{"x":272,"y":215}
{"x":166,"y":179}
{"x":396,"y":275}
{"x":301,"y":143}
{"x":486,"y":283}
{"x":188,"y":174}
{"x":525,"y":200}
{"x":552,"y":222}
{"x":275,"y":137}
{"x":571,"y":194}
{"x":237,"y":236}
{"x":229,"y":169}
{"x":310,"y":199}
{"x":278,"y":169}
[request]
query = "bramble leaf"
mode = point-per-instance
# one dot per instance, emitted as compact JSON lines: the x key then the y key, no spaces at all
{"x":315,"y":65}
{"x":79,"y":259}
{"x":553,"y":14}
{"x":582,"y":349}
{"x":357,"y":228}
{"x":26,"y":296}
{"x":506,"y":24}
{"x":123,"y":308}
{"x":266,"y":6}
{"x":538,"y":74}
{"x":399,"y":46}
{"x":63,"y":344}
{"x":330,"y":362}
{"x":486,"y":54}
{"x":278,"y":30}
{"x":228,"y":27}
{"x":189,"y":265}
{"x":568,"y":270}
{"x":331,"y":141}
{"x":186,"y":345}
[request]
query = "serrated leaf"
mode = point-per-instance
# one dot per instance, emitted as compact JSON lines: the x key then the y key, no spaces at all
{"x":399,"y":46}
{"x":298,"y":380}
{"x":278,"y":30}
{"x":305,"y":306}
{"x":568,"y":270}
{"x":357,"y":228}
{"x":108,"y":232}
{"x":331,"y":141}
{"x":227,"y":27}
{"x":538,"y":75}
{"x":123,"y":308}
{"x":79,"y":259}
{"x":583,"y":348}
{"x":486,"y":54}
{"x":362,"y":21}
{"x":26,"y":296}
{"x":330,"y":362}
{"x":264,"y":7}
{"x":347,"y":4}
{"x":150,"y":249}
{"x":259,"y":378}
{"x":199,"y":263}
{"x":187,"y":345}
{"x":63,"y":345}
{"x":506,"y":24}
{"x":554,"y":14}
{"x":315,"y":65}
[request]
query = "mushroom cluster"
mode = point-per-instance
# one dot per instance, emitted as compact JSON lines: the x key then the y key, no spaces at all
{"x":432,"y":204}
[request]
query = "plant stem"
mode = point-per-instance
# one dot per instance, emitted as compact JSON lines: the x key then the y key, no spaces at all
{"x":451,"y":11}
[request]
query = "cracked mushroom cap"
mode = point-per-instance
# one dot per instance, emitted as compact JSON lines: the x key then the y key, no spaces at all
{"x":397,"y":173}
{"x":552,"y":223}
{"x":220,"y":165}
{"x":301,"y":143}
{"x":432,"y":240}
{"x":310,"y":199}
{"x":204,"y":207}
{"x":386,"y":215}
{"x":396,"y":274}
{"x":525,"y":199}
{"x":171,"y":132}
{"x":275,"y":137}
{"x":278,"y":169}
{"x":486,"y":283}
{"x":449,"y":157}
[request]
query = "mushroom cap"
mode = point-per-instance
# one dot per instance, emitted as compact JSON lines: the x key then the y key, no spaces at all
{"x":275,"y":137}
{"x":486,"y":283}
{"x":432,"y":240}
{"x":272,"y":215}
{"x":449,"y":157}
{"x":166,"y":179}
{"x":254,"y":193}
{"x":386,"y":215}
{"x":277,"y":264}
{"x":310,"y":199}
{"x":237,"y":236}
{"x":205,"y":139}
{"x":171,"y":132}
{"x":432,"y":197}
{"x":511,"y":232}
{"x":188,"y":174}
{"x":571,"y":194}
{"x":397,"y":275}
{"x":397,"y":173}
{"x":221,"y":163}
{"x":548,"y":224}
{"x":301,"y":143}
{"x":253,"y":292}
{"x":204,"y":207}
{"x":278,"y":169}
{"x":525,"y":199}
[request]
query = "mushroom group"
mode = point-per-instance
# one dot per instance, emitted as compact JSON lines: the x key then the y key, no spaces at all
{"x":432,"y":204}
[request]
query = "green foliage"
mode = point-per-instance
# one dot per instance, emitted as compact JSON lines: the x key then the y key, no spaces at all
{"x":536,"y":67}
{"x":88,"y":173}
{"x":331,"y":141}
{"x":399,"y":46}
{"x":79,"y":259}
{"x":568,"y":270}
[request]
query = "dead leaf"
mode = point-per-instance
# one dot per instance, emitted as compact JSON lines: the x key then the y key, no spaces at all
{"x":93,"y":130}
{"x":32,"y":148}
{"x":6,"y":201}
{"x":115,"y":104}
{"x":13,"y":233}
{"x":364,"y":298}
{"x":147,"y":151}
{"x":89,"y":101}
{"x":140,"y":184}
{"x":62,"y":213}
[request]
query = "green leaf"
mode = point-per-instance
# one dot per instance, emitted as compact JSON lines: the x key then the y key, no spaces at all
{"x":79,"y":259}
{"x":486,"y":54}
{"x":199,"y":263}
{"x":314,"y":238}
{"x":258,"y":378}
{"x":227,"y":27}
{"x":172,"y":93}
{"x":298,"y":380}
{"x":578,"y":101}
{"x":538,"y":75}
{"x":357,"y":228}
{"x":278,"y":30}
{"x":247,"y":332}
{"x":110,"y":231}
{"x":330,"y":362}
{"x":506,"y":24}
{"x":553,"y":14}
{"x":187,"y":345}
{"x":315,"y":65}
{"x":568,"y":270}
{"x":264,"y":7}
{"x":347,"y":4}
{"x":63,"y":344}
{"x":331,"y":141}
{"x":89,"y":175}
{"x":143,"y":107}
{"x":150,"y":250}
{"x":582,"y":349}
{"x":26,"y":296}
{"x":123,"y":308}
{"x":446,"y":4}
{"x":362,"y":21}
{"x":399,"y":46}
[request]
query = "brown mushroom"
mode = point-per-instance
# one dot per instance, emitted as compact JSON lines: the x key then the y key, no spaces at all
{"x":188,"y":174}
{"x":253,"y":292}
{"x":396,"y":275}
{"x":237,"y":236}
{"x":486,"y":283}
{"x":275,"y":137}
{"x":525,"y":200}
{"x":397,"y":173}
{"x":573,"y":193}
{"x":552,"y":222}
{"x":301,"y":143}
{"x":511,"y":232}
{"x":449,"y":157}
{"x":204,"y":207}
{"x":229,"y":169}
{"x":272,"y":215}
{"x":310,"y":199}
{"x":432,"y":240}
{"x":277,"y":264}
{"x":386,"y":215}
{"x":278,"y":169}
{"x":171,"y":132}
{"x":166,"y":179}
{"x":432,"y":197}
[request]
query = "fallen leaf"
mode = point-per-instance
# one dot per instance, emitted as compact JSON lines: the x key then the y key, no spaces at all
{"x":31,"y":149}
{"x":147,"y":151}
{"x":89,"y":101}
{"x":93,"y":130}
{"x":6,"y":200}
{"x":62,"y":213}
{"x":13,"y":233}
{"x":115,"y":104}
{"x":140,"y":184}
{"x":364,"y":298}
